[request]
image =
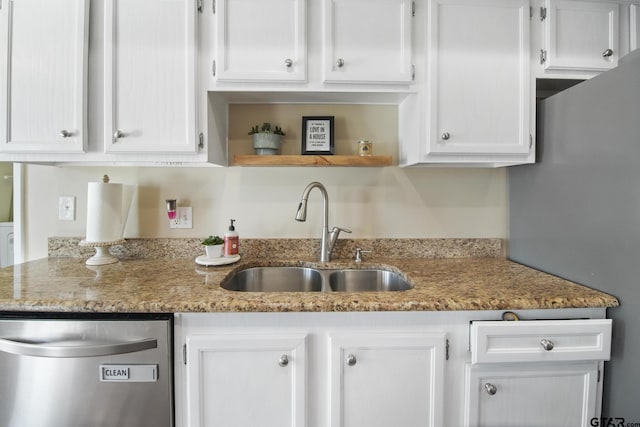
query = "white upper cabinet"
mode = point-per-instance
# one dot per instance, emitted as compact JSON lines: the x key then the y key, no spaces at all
{"x":150,"y":76}
{"x":479,"y":91}
{"x":367,"y":41}
{"x":580,"y":35}
{"x":43,"y":56}
{"x":259,"y":40}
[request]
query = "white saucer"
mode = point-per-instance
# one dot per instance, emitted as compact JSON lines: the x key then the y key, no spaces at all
{"x":223,"y":260}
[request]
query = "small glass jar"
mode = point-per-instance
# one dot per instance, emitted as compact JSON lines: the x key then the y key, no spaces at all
{"x":365,"y":148}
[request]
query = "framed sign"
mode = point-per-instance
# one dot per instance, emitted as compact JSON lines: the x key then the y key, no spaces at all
{"x":317,"y":135}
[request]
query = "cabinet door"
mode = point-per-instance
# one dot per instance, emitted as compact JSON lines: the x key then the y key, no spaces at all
{"x":259,"y":40}
{"x":150,"y":90}
{"x":581,"y":35}
{"x":519,"y":395}
{"x":43,"y":56}
{"x":634,"y":26}
{"x":386,"y":379}
{"x":479,"y":88}
{"x":246,"y":380}
{"x":367,"y":41}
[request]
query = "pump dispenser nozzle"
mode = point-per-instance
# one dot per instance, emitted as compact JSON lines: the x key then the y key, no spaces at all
{"x":231,"y":241}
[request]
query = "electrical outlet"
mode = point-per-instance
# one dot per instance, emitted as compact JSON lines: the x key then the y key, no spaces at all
{"x":183,"y":218}
{"x":67,"y":208}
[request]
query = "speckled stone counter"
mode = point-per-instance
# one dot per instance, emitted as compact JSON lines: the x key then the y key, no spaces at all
{"x":66,"y":284}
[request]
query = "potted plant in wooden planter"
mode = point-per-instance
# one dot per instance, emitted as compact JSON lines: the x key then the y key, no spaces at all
{"x":266,"y":140}
{"x":213,"y":246}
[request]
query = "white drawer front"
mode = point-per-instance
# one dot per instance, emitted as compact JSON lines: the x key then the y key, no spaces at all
{"x":540,"y":340}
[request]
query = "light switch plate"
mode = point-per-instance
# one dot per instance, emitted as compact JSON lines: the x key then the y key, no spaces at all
{"x":183,"y":218}
{"x":67,"y":208}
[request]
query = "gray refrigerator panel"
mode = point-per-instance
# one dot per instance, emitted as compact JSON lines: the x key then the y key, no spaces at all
{"x":576,"y":213}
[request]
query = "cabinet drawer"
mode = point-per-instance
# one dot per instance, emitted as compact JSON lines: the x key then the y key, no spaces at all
{"x":540,"y":340}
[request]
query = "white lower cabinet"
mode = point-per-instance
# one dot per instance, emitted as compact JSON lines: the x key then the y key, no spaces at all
{"x":433,"y":369}
{"x":246,"y":379}
{"x":519,"y":395}
{"x":385,"y":379}
{"x":545,"y":373}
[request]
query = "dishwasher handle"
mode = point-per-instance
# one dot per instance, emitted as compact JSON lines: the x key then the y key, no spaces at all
{"x":82,"y":349}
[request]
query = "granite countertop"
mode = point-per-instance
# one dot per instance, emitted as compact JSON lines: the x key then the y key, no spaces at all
{"x":66,"y":284}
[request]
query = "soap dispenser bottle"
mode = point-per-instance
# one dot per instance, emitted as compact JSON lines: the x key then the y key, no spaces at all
{"x":231,"y":241}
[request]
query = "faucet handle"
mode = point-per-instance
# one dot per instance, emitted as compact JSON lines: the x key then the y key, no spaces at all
{"x":333,"y":238}
{"x":359,"y":252}
{"x":339,"y":229}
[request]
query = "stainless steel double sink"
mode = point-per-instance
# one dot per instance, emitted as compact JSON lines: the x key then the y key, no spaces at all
{"x":306,"y":279}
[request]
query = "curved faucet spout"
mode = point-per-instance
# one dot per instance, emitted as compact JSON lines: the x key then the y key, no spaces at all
{"x":327,"y":241}
{"x":301,"y":214}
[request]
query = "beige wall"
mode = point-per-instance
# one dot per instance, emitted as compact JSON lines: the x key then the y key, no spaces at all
{"x":373,"y":202}
{"x":376,"y":123}
{"x":6,"y":185}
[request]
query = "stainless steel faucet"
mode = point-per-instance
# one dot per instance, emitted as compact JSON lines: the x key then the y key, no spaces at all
{"x":328,"y":239}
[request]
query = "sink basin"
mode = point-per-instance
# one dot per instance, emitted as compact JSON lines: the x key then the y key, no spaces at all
{"x":275,"y":279}
{"x":303,"y":279}
{"x":367,"y":281}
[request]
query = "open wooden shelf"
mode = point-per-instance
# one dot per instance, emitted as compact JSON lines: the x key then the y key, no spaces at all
{"x":286,"y":160}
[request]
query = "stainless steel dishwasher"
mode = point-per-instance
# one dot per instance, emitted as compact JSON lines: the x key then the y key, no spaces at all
{"x":93,"y":371}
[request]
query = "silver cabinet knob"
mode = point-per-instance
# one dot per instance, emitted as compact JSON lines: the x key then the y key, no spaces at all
{"x":288,"y":63}
{"x":491,"y":389}
{"x":607,"y":53}
{"x":65,"y":134}
{"x":284,"y":360}
{"x":351,"y":360}
{"x":445,"y":136}
{"x":546,"y":344}
{"x":340,"y":63}
{"x":118,"y":134}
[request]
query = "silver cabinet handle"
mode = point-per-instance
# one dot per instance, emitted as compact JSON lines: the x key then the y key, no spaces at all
{"x":284,"y":360}
{"x":288,"y":63}
{"x":546,"y":344}
{"x":340,"y":63}
{"x":491,"y":389}
{"x":607,"y":53}
{"x":118,"y":134}
{"x":351,"y":360}
{"x":86,"y":349}
{"x":65,"y":134}
{"x":445,"y":136}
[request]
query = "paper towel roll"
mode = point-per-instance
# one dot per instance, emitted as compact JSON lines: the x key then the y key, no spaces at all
{"x":105,"y":220}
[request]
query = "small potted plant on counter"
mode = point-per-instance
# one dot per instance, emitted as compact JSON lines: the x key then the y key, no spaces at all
{"x":266,"y":140}
{"x":213,"y":246}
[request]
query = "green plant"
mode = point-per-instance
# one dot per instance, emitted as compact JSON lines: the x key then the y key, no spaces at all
{"x":213,"y":240}
{"x":266,"y":128}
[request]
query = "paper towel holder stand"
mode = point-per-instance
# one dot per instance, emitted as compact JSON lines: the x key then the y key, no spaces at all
{"x":102,"y":256}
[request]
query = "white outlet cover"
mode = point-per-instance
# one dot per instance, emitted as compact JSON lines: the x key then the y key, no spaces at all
{"x":67,"y":208}
{"x":183,"y":218}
